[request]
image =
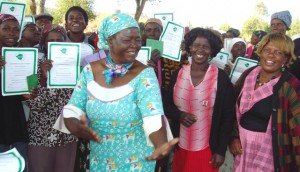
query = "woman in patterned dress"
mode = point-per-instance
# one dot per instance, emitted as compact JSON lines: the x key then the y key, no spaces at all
{"x":201,"y":98}
{"x":268,"y":111}
{"x":120,"y":97}
{"x":49,"y":150}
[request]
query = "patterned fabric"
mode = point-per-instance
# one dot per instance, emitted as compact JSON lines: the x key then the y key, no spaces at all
{"x":114,"y":70}
{"x":45,"y":109}
{"x":285,"y":122}
{"x":198,"y":100}
{"x":112,"y":25}
{"x":257,"y":151}
{"x":49,"y":28}
{"x":119,"y":122}
{"x":5,"y":17}
{"x":250,"y":95}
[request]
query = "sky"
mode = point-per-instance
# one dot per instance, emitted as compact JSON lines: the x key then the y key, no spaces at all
{"x":212,"y":13}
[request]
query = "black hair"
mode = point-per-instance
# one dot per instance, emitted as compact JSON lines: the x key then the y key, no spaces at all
{"x":214,"y":41}
{"x":81,"y":10}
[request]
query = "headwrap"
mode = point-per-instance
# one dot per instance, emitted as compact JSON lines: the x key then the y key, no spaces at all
{"x":5,"y":17}
{"x":49,"y":28}
{"x":154,"y":20}
{"x":284,"y":16}
{"x":112,"y":25}
{"x":233,"y":41}
{"x":235,"y":32}
{"x":259,"y":34}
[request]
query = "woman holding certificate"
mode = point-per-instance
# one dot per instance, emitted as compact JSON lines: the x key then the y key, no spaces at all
{"x":268,"y":111}
{"x":13,"y":130}
{"x":121,"y":99}
{"x":49,"y":150}
{"x":201,"y":98}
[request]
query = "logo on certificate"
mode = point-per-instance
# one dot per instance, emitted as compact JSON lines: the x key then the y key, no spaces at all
{"x":20,"y":56}
{"x":12,"y":9}
{"x":64,"y":51}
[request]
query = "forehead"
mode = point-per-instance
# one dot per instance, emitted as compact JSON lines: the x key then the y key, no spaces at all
{"x":43,"y":20}
{"x":277,"y":21}
{"x":10,"y":23}
{"x":75,"y":12}
{"x":30,"y":27}
{"x":54,"y":34}
{"x":152,"y":25}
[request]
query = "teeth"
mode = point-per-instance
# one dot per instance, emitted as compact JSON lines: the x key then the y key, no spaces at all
{"x":76,"y":25}
{"x":269,"y":62}
{"x":199,"y":55}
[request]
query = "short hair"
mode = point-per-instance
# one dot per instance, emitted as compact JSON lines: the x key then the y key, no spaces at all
{"x":81,"y":10}
{"x":214,"y":41}
{"x":283,"y":42}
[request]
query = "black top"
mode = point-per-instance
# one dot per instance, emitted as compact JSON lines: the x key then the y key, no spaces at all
{"x":223,"y":112}
{"x":257,"y":118}
{"x":13,"y":127}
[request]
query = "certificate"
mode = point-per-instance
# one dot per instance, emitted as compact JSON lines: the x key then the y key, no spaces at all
{"x":164,"y":18}
{"x":226,"y":43}
{"x":65,"y":64}
{"x":17,"y":9}
{"x":11,"y":161}
{"x":172,"y":37}
{"x":29,"y":19}
{"x":144,"y":55}
{"x":241,"y":64}
{"x":20,"y":63}
{"x":220,"y":60}
{"x":86,"y":49}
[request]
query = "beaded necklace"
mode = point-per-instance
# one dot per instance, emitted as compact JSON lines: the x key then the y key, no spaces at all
{"x":259,"y":83}
{"x":114,"y":70}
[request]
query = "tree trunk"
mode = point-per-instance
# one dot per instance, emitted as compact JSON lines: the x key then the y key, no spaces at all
{"x":140,"y":4}
{"x":41,"y":6}
{"x":32,"y":7}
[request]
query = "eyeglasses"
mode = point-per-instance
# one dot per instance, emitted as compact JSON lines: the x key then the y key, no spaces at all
{"x":276,"y":53}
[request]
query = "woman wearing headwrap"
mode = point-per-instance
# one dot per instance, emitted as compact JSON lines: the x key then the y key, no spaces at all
{"x":236,"y":48}
{"x":121,"y":99}
{"x":255,"y":38}
{"x":49,"y":150}
{"x":13,"y":130}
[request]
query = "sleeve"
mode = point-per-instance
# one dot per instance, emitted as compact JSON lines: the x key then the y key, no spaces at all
{"x":170,"y":108}
{"x":294,"y":121}
{"x":227,"y":112}
{"x":150,"y":104}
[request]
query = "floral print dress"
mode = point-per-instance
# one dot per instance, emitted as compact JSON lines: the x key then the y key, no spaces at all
{"x":116,"y":115}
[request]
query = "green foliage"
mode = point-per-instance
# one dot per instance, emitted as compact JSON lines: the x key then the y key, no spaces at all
{"x":62,"y":7}
{"x":295,"y":27}
{"x":261,"y":9}
{"x":225,"y":27}
{"x":252,"y":24}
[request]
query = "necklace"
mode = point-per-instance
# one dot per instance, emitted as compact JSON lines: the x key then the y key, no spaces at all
{"x":259,"y":83}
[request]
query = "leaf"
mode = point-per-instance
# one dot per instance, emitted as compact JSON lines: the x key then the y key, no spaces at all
{"x":64,"y":50}
{"x":20,"y":56}
{"x":12,"y":9}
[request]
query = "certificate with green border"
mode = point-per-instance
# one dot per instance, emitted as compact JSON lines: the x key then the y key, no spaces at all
{"x":29,"y":19}
{"x":20,"y":63}
{"x":11,"y":160}
{"x":144,"y":55}
{"x":65,"y":64}
{"x":172,"y":37}
{"x":220,"y":60}
{"x":164,"y":18}
{"x":240,"y":65}
{"x":17,"y":9}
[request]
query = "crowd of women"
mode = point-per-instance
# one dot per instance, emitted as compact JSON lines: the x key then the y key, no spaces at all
{"x":122,"y":115}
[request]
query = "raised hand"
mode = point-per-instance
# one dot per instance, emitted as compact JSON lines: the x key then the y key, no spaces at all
{"x":162,"y":150}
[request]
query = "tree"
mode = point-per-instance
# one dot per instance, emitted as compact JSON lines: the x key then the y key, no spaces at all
{"x":41,"y":6}
{"x":295,"y":27}
{"x":225,"y":27}
{"x":261,"y":9}
{"x":252,"y":24}
{"x":63,"y":5}
{"x":140,"y":4}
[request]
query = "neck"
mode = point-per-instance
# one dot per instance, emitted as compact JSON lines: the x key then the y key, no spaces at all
{"x":199,"y":67}
{"x":76,"y":37}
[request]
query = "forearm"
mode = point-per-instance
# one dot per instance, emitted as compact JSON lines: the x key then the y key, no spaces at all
{"x":159,"y":137}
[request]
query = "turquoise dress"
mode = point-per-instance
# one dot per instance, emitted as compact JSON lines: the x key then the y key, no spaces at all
{"x":116,"y":115}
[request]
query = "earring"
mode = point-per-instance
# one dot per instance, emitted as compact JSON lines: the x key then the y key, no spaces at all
{"x":282,"y":68}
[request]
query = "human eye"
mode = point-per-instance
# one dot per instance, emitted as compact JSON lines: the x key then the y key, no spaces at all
{"x":278,"y":53}
{"x":265,"y":51}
